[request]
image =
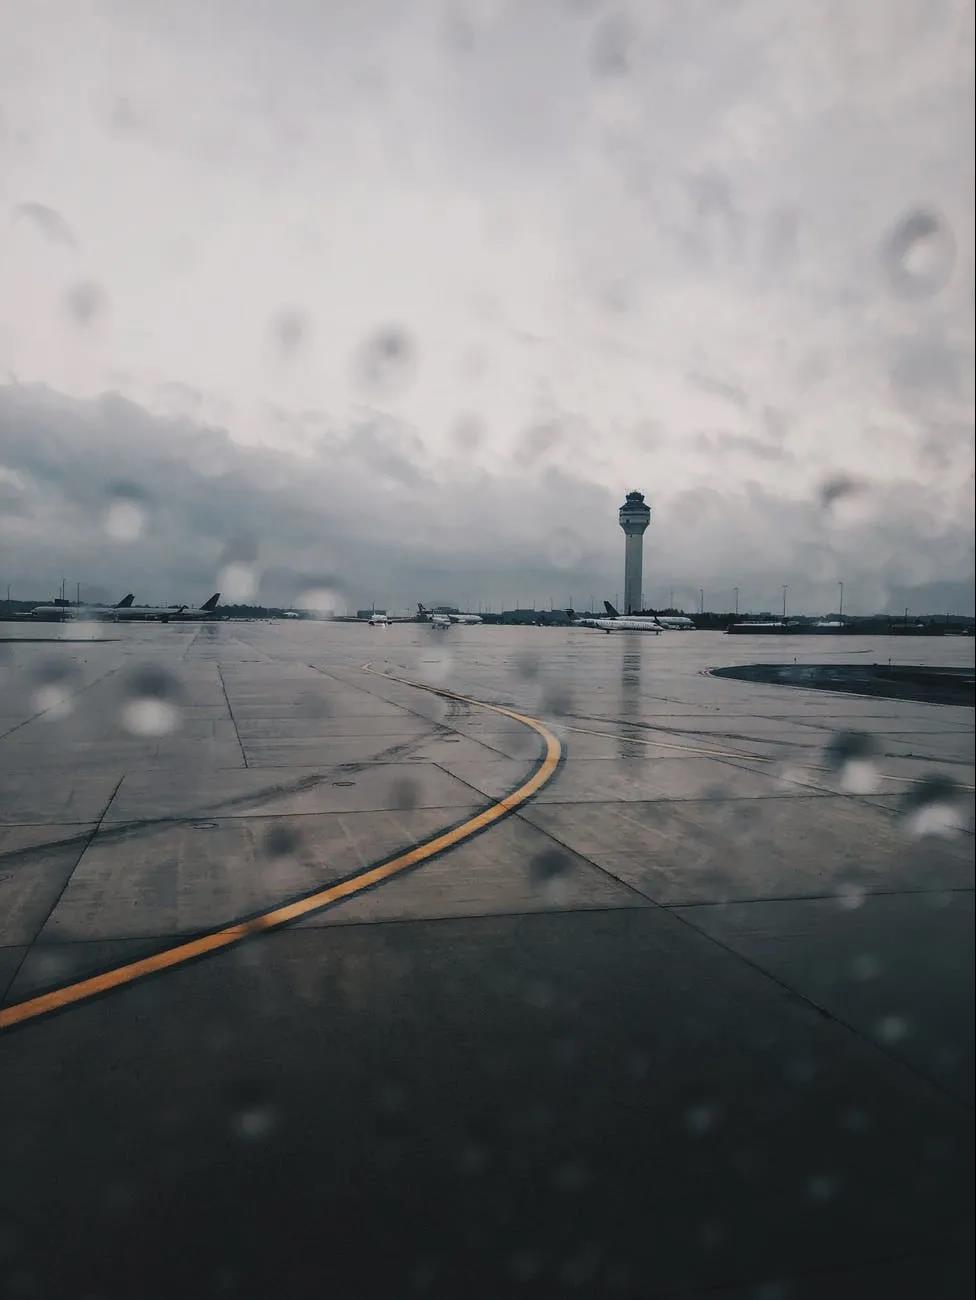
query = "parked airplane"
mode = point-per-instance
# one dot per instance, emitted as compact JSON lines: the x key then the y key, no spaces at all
{"x":425,"y":614}
{"x":88,"y":612}
{"x":168,"y":613}
{"x":615,"y":623}
{"x":440,"y":622}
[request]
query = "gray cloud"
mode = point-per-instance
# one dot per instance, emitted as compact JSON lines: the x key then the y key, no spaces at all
{"x":371,"y":512}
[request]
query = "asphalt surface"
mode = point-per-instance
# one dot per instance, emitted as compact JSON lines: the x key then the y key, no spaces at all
{"x":319,"y":983}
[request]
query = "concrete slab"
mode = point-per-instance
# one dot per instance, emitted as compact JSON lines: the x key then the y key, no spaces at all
{"x":594,"y":1098}
{"x":708,"y":851}
{"x":515,"y":869}
{"x":177,"y":878}
{"x":255,"y":792}
{"x":66,"y":795}
{"x":466,"y":1067}
{"x":596,"y":781}
{"x":35,"y":863}
{"x":897,"y":967}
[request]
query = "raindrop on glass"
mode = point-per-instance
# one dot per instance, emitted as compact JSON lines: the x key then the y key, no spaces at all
{"x":919,"y":254}
{"x":386,"y":362}
{"x":150,"y":707}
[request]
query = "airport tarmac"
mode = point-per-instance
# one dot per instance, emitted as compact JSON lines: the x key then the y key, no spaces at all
{"x":642,"y":982}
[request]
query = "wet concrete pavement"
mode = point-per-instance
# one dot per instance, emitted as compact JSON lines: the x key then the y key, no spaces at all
{"x":696,"y":1016}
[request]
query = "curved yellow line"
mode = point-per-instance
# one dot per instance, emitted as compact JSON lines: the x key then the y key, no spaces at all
{"x":58,"y":999}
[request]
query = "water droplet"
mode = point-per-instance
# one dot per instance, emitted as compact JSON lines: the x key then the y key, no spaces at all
{"x":919,"y":254}
{"x":150,"y":708}
{"x":821,"y":1188}
{"x":281,"y":840}
{"x":289,"y":330}
{"x":527,"y":665}
{"x":238,"y":582}
{"x":700,"y":1120}
{"x":467,"y":433}
{"x":851,"y":754}
{"x":254,"y":1123}
{"x":934,"y":807}
{"x":56,"y":683}
{"x":557,"y":701}
{"x":570,"y":1176}
{"x":387,"y":362}
{"x":549,"y":873}
{"x":405,"y":794}
{"x":611,"y":51}
{"x":525,"y":1265}
{"x":892,"y":1029}
{"x":564,"y":549}
{"x":866,"y":966}
{"x":85,"y":302}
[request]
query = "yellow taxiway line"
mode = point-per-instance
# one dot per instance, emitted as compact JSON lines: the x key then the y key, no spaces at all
{"x":226,"y":937}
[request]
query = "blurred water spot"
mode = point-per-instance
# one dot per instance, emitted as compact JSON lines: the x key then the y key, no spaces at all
{"x":772,"y":1291}
{"x":238,"y":583}
{"x":848,"y":501}
{"x":436,"y":667}
{"x":571,"y":1176}
{"x":126,"y":513}
{"x":919,"y":253}
{"x":254,"y":1123}
{"x":892,"y":1029}
{"x":467,"y":432}
{"x":821,"y":1188}
{"x":866,"y":966}
{"x":386,"y":362}
{"x":84,"y":302}
{"x":851,"y":755}
{"x":289,"y":330}
{"x":934,"y":807}
{"x":343,"y":783}
{"x":557,"y":701}
{"x":549,"y":873}
{"x":281,"y":840}
{"x":711,"y":1235}
{"x":699,"y":1120}
{"x":322,"y":598}
{"x":850,"y":898}
{"x":611,"y":48}
{"x":150,"y":708}
{"x":527,"y":664}
{"x":406,"y":794}
{"x":56,"y":682}
{"x":581,"y":1267}
{"x":564,"y":549}
{"x":856,"y":1120}
{"x":525,"y":1265}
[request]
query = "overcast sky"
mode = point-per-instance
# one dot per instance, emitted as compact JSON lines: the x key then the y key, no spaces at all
{"x":399,"y":299}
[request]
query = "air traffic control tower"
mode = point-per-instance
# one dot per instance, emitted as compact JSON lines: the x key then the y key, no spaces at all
{"x":634,"y":518}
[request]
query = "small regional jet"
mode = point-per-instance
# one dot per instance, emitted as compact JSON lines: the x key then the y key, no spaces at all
{"x":451,"y":618}
{"x":614,"y":622}
{"x":93,"y":612}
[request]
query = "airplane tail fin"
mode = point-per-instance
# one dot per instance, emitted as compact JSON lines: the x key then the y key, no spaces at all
{"x":610,"y":609}
{"x":421,"y":609}
{"x":571,"y":614}
{"x":125,"y":602}
{"x":212,"y":602}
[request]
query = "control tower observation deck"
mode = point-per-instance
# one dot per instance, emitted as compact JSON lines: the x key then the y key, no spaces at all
{"x":634,"y":517}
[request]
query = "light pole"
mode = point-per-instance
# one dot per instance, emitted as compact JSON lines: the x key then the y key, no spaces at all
{"x":736,"y":590}
{"x":671,"y":600}
{"x":701,"y":600}
{"x":786,"y":587}
{"x":840,"y":612}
